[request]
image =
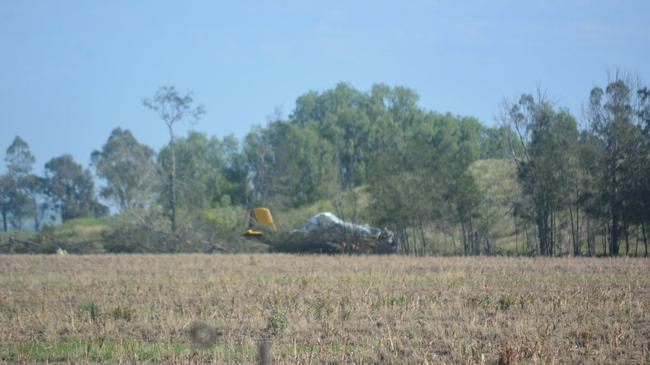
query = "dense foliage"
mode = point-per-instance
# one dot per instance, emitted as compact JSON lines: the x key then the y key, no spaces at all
{"x":377,"y":154}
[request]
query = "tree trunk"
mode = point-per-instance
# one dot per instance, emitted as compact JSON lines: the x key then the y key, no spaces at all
{"x":172,"y":181}
{"x":463,"y":231}
{"x":543,"y":232}
{"x":516,"y":235}
{"x":472,"y":239}
{"x":645,"y":240}
{"x":614,"y":211}
{"x":592,"y":238}
{"x":636,"y":248}
{"x":573,"y":233}
{"x":579,"y":249}
{"x":37,"y":222}
{"x":627,"y":242}
{"x":527,"y":237}
{"x":424,"y":242}
{"x":552,"y":241}
{"x":4,"y":220}
{"x":614,"y":235}
{"x":414,"y":234}
{"x":405,"y":239}
{"x":606,"y":239}
{"x":590,"y":249}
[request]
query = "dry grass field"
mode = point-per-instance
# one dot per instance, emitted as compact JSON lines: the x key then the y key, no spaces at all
{"x":323,"y":309}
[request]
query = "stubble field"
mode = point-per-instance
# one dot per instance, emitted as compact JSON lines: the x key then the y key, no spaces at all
{"x":323,"y":309}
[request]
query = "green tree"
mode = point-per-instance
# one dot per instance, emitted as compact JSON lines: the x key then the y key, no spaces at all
{"x":258,"y":153}
{"x":350,"y":121}
{"x":611,"y":114}
{"x":339,"y":116}
{"x":642,"y":186}
{"x":35,"y":190}
{"x":200,"y":165}
{"x":173,"y":107}
{"x":19,"y":158}
{"x":464,"y":192}
{"x":128,"y":169}
{"x":71,"y":189}
{"x":419,"y":176}
{"x":235,"y":171}
{"x":590,"y":153}
{"x":8,"y":190}
{"x":290,"y":164}
{"x":495,"y":142}
{"x":544,"y":171}
{"x":17,"y":205}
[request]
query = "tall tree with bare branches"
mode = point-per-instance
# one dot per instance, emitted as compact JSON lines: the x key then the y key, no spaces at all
{"x":173,"y":107}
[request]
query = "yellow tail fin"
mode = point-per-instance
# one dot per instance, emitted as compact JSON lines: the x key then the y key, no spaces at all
{"x":263,"y":217}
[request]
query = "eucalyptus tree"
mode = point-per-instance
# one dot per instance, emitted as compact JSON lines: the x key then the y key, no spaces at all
{"x":643,"y":185}
{"x":35,"y":189}
{"x":546,"y":136}
{"x":173,"y":107}
{"x":7,"y":192}
{"x":17,"y":204}
{"x":200,"y":170}
{"x":611,"y":114}
{"x":19,"y":158}
{"x":71,"y":189}
{"x":128,"y":168}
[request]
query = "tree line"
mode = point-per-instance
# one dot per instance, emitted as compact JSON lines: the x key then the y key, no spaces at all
{"x":413,"y":166}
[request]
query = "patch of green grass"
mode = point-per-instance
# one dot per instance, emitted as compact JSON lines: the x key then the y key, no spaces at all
{"x":92,"y":309}
{"x":101,"y":351}
{"x":87,"y":222}
{"x":115,"y":350}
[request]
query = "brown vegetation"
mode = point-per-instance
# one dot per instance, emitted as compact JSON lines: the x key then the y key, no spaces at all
{"x":323,"y":309}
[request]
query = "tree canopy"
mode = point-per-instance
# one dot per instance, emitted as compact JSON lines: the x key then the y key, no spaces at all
{"x":443,"y":183}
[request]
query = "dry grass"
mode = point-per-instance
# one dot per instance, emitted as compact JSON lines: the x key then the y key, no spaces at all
{"x":323,"y":309}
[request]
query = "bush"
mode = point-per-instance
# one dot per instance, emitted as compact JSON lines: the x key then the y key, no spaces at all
{"x":207,"y":230}
{"x":144,"y":230}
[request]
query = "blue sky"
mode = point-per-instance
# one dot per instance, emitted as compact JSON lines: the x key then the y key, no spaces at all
{"x":71,"y":71}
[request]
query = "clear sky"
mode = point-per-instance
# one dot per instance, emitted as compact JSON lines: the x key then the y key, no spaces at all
{"x":71,"y":71}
